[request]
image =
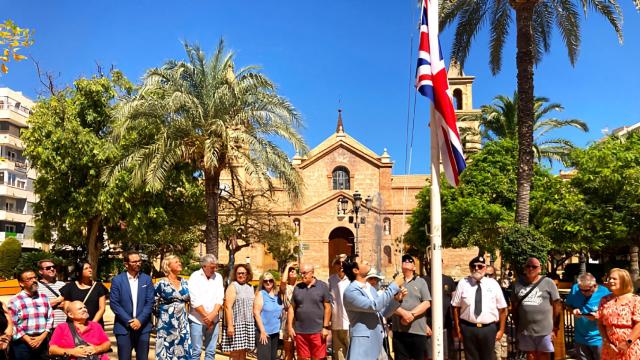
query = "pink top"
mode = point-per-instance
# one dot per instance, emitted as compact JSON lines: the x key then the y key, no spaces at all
{"x":92,"y":334}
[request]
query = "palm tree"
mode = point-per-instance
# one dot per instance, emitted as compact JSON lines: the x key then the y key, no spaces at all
{"x":534,"y":22}
{"x":500,"y":120}
{"x":220,"y":121}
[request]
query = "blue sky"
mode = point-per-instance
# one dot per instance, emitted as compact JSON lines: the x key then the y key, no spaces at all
{"x":324,"y":55}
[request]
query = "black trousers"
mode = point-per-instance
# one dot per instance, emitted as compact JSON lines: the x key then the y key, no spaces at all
{"x":268,"y":351}
{"x":407,"y":346}
{"x":479,"y":343}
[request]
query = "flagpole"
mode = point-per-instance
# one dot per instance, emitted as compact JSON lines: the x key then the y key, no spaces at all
{"x":437,"y":338}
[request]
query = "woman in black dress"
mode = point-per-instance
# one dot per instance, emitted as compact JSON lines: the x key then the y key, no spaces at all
{"x":92,"y":293}
{"x":6,"y":330}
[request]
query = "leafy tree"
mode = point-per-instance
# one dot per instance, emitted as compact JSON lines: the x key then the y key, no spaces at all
{"x":534,"y":23}
{"x":10,"y":250}
{"x":282,"y":244}
{"x":608,"y":177}
{"x":69,"y":144}
{"x":12,"y":39}
{"x":500,"y":120}
{"x":216,"y":119}
{"x":518,"y":243}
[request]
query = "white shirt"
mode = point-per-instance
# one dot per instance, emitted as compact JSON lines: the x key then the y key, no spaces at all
{"x":133,"y":285}
{"x":205,"y":292}
{"x":492,"y":300}
{"x":339,"y":318}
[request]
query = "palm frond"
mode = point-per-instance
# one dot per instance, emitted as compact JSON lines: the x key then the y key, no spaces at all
{"x":470,"y":20}
{"x":500,"y":23}
{"x":568,"y":22}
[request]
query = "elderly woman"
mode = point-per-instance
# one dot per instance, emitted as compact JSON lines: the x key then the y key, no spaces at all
{"x":619,"y":318}
{"x":267,"y":310}
{"x":239,"y":333}
{"x":173,"y":341}
{"x":92,"y":293}
{"x":79,"y":337}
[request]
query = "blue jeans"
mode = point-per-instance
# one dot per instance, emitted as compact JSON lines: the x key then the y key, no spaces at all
{"x":201,"y":334}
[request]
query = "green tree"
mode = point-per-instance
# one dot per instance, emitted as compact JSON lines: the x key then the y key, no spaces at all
{"x":10,"y":250}
{"x":216,"y":119}
{"x":282,"y":244}
{"x":608,"y":177}
{"x":500,"y":120}
{"x":534,"y":23}
{"x":12,"y":39}
{"x":69,"y":144}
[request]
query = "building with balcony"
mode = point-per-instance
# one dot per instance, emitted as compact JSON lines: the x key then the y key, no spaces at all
{"x":16,"y":178}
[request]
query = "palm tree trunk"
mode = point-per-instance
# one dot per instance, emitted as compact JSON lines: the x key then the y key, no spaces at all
{"x":525,"y":62}
{"x":94,"y":244}
{"x":212,"y":196}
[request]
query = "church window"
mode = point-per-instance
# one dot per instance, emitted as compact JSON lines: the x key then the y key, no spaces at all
{"x":296,"y":226}
{"x":386,"y":226}
{"x":341,"y":179}
{"x":457,"y":98}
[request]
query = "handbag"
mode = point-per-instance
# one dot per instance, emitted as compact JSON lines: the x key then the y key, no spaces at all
{"x":519,"y":301}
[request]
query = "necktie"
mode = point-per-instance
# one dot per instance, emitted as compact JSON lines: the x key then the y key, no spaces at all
{"x":477,"y":309}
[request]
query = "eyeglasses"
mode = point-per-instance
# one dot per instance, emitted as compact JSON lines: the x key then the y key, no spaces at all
{"x":532,"y":266}
{"x":241,"y":273}
{"x":48,"y":268}
{"x":478,"y":266}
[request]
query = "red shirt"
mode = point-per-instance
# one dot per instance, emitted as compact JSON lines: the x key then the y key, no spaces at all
{"x":92,"y":334}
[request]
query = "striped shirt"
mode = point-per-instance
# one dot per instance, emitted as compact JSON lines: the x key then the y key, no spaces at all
{"x":30,"y":315}
{"x":59,"y":317}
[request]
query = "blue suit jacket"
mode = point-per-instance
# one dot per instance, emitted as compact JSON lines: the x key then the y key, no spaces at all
{"x":122,"y":304}
{"x":365,"y":327}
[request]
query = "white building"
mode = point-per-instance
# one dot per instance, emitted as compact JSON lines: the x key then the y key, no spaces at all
{"x":16,"y":177}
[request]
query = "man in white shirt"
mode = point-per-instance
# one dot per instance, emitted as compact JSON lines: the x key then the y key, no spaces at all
{"x":207,"y":294}
{"x":338,"y":282}
{"x":479,"y":312}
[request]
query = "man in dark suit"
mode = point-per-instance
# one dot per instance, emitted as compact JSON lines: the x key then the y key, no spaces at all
{"x":132,"y":296}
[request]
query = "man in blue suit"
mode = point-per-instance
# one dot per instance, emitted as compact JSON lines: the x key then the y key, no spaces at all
{"x":365,"y":307}
{"x":132,"y":296}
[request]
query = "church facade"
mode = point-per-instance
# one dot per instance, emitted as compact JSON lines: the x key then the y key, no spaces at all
{"x":336,"y":173}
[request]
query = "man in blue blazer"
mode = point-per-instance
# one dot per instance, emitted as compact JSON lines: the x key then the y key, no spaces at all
{"x":131,"y":300}
{"x":365,"y":307}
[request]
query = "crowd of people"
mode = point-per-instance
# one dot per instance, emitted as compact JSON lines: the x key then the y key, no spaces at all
{"x":51,"y":319}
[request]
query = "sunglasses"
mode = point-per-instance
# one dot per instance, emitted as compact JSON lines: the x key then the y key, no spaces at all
{"x":48,"y":268}
{"x":241,"y":273}
{"x":270,"y":281}
{"x":478,"y":266}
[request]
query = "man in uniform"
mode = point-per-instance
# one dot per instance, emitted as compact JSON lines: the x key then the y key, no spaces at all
{"x":479,"y":312}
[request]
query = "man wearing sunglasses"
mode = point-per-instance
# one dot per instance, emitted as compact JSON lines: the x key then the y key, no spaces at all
{"x":537,"y":307}
{"x":479,"y":312}
{"x":50,"y":286}
{"x":583,"y":302}
{"x":409,"y":323}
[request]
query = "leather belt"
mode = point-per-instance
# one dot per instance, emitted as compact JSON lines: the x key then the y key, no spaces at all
{"x":478,"y":325}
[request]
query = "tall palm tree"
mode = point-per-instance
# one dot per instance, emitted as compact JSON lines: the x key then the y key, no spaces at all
{"x":534,"y":22}
{"x":219,"y":120}
{"x":500,"y":120}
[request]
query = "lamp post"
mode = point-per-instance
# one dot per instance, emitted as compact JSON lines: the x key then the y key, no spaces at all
{"x":356,"y":219}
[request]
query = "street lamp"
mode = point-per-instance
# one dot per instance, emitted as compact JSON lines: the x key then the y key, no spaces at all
{"x":356,"y":219}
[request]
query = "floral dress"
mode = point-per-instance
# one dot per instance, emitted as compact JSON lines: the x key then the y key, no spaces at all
{"x":618,"y":317}
{"x":173,"y":341}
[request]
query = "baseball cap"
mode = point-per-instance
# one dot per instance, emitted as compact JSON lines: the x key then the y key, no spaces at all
{"x":373,"y":273}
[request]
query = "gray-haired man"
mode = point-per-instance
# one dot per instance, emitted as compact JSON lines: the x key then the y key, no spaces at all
{"x":207,"y":293}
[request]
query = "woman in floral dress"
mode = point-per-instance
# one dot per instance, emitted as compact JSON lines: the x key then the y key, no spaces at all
{"x":173,"y":341}
{"x":239,"y":331}
{"x":619,"y":319}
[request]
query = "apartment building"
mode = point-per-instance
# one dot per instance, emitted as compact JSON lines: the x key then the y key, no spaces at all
{"x":16,"y":177}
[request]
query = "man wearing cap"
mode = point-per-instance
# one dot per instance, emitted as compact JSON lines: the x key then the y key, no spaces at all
{"x":479,"y":312}
{"x":409,"y":323}
{"x":338,"y":282}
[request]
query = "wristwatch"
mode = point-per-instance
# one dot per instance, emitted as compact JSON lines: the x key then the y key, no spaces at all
{"x":328,"y":327}
{"x":629,"y":341}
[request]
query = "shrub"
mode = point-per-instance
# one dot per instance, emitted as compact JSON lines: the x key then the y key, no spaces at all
{"x":518,"y":243}
{"x":10,"y":251}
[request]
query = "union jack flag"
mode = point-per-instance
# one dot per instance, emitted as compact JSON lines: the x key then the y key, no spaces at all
{"x":432,"y":82}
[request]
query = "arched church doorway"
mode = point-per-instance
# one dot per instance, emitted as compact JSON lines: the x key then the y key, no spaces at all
{"x":340,"y":242}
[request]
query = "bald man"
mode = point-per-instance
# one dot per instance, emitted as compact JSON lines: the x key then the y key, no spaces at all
{"x":309,"y":316}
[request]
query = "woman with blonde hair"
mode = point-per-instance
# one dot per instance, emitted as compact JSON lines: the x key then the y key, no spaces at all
{"x":239,"y":331}
{"x":267,"y":310}
{"x":173,"y":340}
{"x":619,"y":318}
